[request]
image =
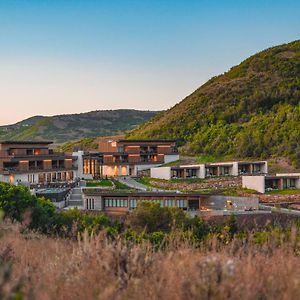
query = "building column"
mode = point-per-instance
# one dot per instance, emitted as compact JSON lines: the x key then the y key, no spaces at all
{"x":251,"y":168}
{"x":101,"y":204}
{"x":280,"y":184}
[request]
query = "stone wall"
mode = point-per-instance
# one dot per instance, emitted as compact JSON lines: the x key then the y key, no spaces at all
{"x":210,"y":183}
{"x":275,"y":198}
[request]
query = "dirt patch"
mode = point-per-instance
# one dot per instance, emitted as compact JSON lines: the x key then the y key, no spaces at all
{"x":273,"y":198}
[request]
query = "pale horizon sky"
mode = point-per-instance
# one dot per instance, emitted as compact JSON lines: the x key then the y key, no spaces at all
{"x":61,"y":57}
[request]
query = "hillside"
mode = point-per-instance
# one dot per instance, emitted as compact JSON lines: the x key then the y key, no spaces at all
{"x":62,"y":128}
{"x":253,"y":110}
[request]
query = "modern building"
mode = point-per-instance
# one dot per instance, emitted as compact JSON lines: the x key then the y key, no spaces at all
{"x":58,"y":196}
{"x":33,"y":162}
{"x":125,"y":157}
{"x":210,"y":169}
{"x":265,"y":183}
{"x":122,"y":203}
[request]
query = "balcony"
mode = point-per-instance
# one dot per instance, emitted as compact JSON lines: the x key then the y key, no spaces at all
{"x":121,"y":161}
{"x":34,"y":157}
{"x":7,"y":171}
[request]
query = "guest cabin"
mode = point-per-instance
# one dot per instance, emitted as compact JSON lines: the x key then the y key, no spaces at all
{"x":267,"y":183}
{"x":210,"y":170}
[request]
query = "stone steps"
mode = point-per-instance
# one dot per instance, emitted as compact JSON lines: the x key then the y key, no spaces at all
{"x":76,"y":197}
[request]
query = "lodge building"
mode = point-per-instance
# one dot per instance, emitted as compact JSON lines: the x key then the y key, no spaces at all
{"x":33,"y":162}
{"x":125,"y":157}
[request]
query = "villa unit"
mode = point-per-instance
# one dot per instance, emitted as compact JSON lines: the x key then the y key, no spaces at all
{"x":210,"y":169}
{"x":120,"y":203}
{"x":34,"y":163}
{"x":267,"y":183}
{"x":125,"y":157}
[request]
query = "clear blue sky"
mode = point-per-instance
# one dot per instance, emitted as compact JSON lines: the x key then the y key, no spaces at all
{"x":73,"y":56}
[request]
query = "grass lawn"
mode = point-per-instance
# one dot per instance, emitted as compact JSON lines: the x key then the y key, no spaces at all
{"x":99,"y":183}
{"x":121,"y":186}
{"x":284,"y":192}
{"x":144,"y":180}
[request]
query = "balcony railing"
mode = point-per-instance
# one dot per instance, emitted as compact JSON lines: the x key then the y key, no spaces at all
{"x":7,"y":171}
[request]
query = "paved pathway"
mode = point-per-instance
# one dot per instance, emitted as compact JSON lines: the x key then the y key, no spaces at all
{"x":280,"y":210}
{"x":132,"y":183}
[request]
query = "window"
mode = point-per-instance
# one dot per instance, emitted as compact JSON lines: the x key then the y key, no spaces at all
{"x":289,"y":183}
{"x":116,"y":203}
{"x":90,"y":204}
{"x":133,"y":203}
{"x":182,"y":203}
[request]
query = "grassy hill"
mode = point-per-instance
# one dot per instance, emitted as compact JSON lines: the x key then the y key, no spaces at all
{"x":253,"y":110}
{"x":64,"y":128}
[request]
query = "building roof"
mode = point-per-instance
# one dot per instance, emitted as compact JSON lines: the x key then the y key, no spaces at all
{"x":146,"y":141}
{"x":141,"y":194}
{"x":184,"y":167}
{"x":281,"y":177}
{"x":26,"y":142}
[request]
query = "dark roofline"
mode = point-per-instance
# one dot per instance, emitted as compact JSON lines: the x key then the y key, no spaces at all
{"x":146,"y":141}
{"x":281,"y":177}
{"x":99,"y":192}
{"x":26,"y":142}
{"x":184,"y":168}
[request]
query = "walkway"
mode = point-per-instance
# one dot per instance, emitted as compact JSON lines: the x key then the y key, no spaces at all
{"x":132,"y":183}
{"x":280,"y":210}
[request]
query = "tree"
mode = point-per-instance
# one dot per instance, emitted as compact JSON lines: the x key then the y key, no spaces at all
{"x":151,"y":217}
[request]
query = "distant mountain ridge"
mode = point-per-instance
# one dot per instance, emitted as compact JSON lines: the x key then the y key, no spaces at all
{"x":69,"y":127}
{"x":253,"y":110}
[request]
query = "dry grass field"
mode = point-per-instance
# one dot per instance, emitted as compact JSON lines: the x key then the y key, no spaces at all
{"x":93,"y":267}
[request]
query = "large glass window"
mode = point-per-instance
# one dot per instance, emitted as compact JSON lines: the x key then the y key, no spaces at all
{"x":116,"y":203}
{"x":289,"y":183}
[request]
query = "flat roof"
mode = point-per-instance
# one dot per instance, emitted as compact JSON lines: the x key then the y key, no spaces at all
{"x":252,"y":162}
{"x":26,"y":142}
{"x":142,"y":194}
{"x":222,"y":164}
{"x":282,"y":177}
{"x":184,"y":167}
{"x":147,"y":141}
{"x":52,"y":190}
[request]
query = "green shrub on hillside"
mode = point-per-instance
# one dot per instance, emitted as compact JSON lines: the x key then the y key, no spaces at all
{"x":253,"y":110}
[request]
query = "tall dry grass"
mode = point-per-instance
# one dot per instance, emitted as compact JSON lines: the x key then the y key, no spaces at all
{"x":96,"y":268}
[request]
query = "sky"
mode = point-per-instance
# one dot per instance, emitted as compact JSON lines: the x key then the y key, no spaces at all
{"x":73,"y":56}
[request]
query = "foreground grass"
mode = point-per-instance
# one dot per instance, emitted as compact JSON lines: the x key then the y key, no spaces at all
{"x":95,"y":267}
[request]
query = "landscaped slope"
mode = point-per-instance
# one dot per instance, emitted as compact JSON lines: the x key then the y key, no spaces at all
{"x":253,"y":110}
{"x":63,"y":128}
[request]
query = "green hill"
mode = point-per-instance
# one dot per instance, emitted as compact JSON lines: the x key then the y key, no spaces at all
{"x":253,"y":110}
{"x":64,"y":128}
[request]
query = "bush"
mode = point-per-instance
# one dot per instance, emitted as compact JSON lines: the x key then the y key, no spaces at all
{"x":151,"y":217}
